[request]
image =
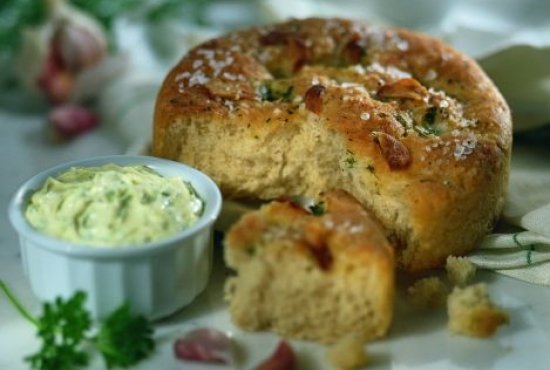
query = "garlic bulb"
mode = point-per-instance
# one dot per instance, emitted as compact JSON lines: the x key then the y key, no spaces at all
{"x":78,"y":47}
{"x":53,"y":54}
{"x":79,"y":37}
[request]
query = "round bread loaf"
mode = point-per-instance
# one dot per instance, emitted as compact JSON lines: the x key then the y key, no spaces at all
{"x":411,"y":127}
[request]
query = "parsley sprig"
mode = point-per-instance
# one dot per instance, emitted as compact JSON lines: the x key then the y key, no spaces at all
{"x":124,"y":339}
{"x":64,"y":329}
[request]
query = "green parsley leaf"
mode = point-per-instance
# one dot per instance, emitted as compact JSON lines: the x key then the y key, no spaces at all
{"x":426,"y":130}
{"x":271,"y":92}
{"x":430,"y":115}
{"x":62,"y":329}
{"x":317,"y":209}
{"x":124,"y":340}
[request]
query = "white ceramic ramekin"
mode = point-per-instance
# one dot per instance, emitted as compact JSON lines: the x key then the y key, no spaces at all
{"x":156,"y":278}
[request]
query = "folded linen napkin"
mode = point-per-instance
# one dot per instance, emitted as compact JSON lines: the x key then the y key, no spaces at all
{"x":524,"y":252}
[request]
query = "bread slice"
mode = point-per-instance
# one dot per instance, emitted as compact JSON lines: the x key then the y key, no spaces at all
{"x":307,"y":276}
{"x":412,"y":128}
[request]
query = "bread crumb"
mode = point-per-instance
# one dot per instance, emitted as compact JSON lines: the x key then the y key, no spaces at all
{"x":348,"y":353}
{"x":472,"y":313}
{"x":460,"y":270}
{"x":428,"y":292}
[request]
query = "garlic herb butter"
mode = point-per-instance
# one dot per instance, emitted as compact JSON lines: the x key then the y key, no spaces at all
{"x":111,"y":205}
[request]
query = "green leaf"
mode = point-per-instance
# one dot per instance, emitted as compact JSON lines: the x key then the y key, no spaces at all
{"x":62,"y":329}
{"x":273,"y":92}
{"x":430,"y":115}
{"x":426,"y":130}
{"x":428,"y":126}
{"x":124,"y":340}
{"x":317,"y":209}
{"x":15,"y":15}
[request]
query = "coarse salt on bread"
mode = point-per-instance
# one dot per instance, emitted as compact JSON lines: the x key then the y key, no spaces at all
{"x":412,"y":128}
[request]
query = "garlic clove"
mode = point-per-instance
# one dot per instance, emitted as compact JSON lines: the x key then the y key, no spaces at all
{"x":205,"y":345}
{"x":59,"y":87}
{"x":55,"y":82}
{"x":81,"y":39}
{"x":69,"y":40}
{"x":283,"y":358}
{"x":63,"y":11}
{"x":69,"y":121}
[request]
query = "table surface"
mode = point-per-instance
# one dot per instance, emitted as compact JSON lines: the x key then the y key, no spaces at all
{"x":416,"y":340}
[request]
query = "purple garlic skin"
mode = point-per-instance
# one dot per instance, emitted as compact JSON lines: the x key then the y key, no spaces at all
{"x":204,"y":345}
{"x":69,"y":121}
{"x":55,"y":53}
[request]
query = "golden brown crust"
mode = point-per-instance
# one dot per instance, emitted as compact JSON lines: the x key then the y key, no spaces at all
{"x":311,"y":277}
{"x":412,"y":128}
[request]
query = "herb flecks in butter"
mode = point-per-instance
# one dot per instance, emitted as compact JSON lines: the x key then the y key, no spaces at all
{"x":113,"y":205}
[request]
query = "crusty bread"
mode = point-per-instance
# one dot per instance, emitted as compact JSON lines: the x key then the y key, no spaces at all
{"x":472,"y":313}
{"x":412,"y":128}
{"x":317,"y":277}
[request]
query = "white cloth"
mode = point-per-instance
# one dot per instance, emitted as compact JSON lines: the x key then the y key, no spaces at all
{"x":523,"y":253}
